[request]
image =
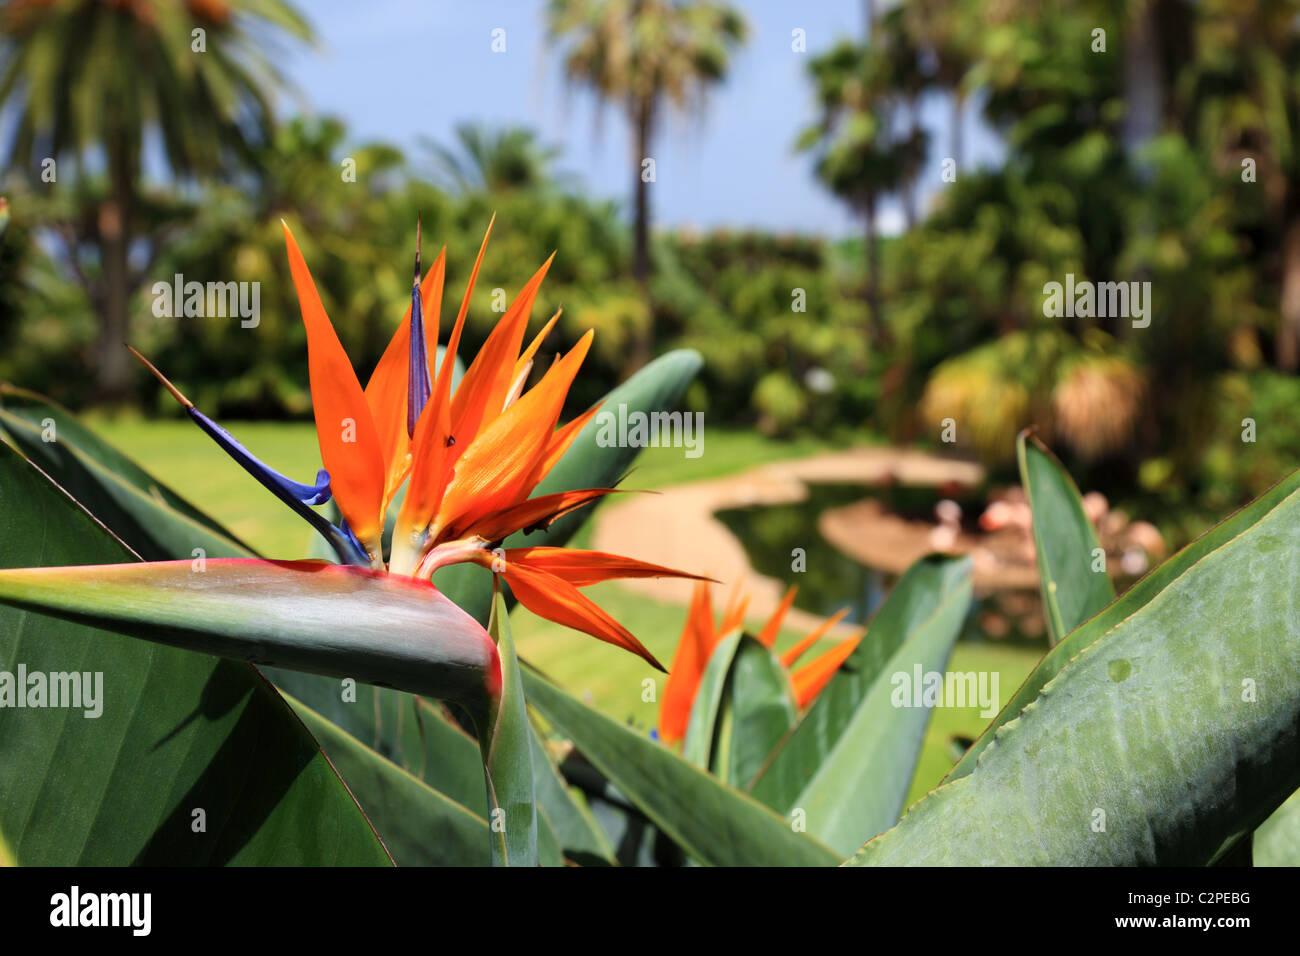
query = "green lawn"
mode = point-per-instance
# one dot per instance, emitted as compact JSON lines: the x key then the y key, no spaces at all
{"x":189,"y":461}
{"x":183,"y":457}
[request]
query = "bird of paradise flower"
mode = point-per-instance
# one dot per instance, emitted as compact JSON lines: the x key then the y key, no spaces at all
{"x":469,"y":460}
{"x":701,"y":635}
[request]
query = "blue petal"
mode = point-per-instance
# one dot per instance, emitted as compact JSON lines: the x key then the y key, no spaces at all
{"x":418,"y":386}
{"x":283,"y":486}
{"x":295,"y":494}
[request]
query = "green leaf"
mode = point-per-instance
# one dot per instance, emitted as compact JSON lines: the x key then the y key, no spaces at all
{"x":178,"y":733}
{"x":1134,"y":598}
{"x":744,"y":706}
{"x":714,"y":823}
{"x":419,"y":825}
{"x":1163,"y":741}
{"x":1277,"y":841}
{"x":508,"y":758}
{"x":933,"y":594}
{"x":1065,"y":541}
{"x":636,"y":840}
{"x":758,"y":710}
{"x":328,"y":619}
{"x":416,"y":734}
{"x":153,"y":520}
{"x":580,"y":837}
{"x":859,"y":787}
{"x":697,"y":747}
{"x":587,"y":464}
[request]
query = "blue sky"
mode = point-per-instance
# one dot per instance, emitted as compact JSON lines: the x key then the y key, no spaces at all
{"x":399,"y":70}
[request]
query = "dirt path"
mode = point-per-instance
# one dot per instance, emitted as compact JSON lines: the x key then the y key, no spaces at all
{"x":677,"y":527}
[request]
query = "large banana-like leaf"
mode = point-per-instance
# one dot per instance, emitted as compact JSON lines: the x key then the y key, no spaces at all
{"x":192,"y":760}
{"x":1277,"y":841}
{"x":507,"y":747}
{"x":858,"y":788}
{"x":1065,"y":542}
{"x":758,"y":709}
{"x":420,"y":826}
{"x":154,"y":521}
{"x":1134,"y":598}
{"x":925,"y":609}
{"x":1073,"y":589}
{"x":634,"y":837}
{"x":587,"y":464}
{"x":714,"y":823}
{"x":1163,"y":741}
{"x":579,"y":835}
{"x":744,"y":707}
{"x":416,"y":734}
{"x":697,"y":746}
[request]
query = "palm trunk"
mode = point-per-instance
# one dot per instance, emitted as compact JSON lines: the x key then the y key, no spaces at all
{"x":1288,"y":333}
{"x":644,"y":344}
{"x":1144,"y":80}
{"x":872,"y":249}
{"x":910,"y":187}
{"x":112,"y":370}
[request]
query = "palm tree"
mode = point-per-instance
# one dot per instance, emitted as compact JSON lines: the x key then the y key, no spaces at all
{"x":91,"y":80}
{"x":641,"y":54}
{"x":858,"y":155}
{"x":493,"y":160}
{"x":906,"y":75}
{"x":948,"y":32}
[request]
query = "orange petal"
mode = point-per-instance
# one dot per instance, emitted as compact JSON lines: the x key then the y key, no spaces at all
{"x":767,"y":636}
{"x":529,"y":353}
{"x":692,"y":656}
{"x":798,"y":650}
{"x":734,"y":616}
{"x":563,"y":438}
{"x":432,"y":447}
{"x":453,"y":343}
{"x":535,"y":512}
{"x":386,"y":390}
{"x":349,"y":444}
{"x":701,"y":616}
{"x":482,"y":393}
{"x":812,"y":677}
{"x":500,"y":468}
{"x":431,"y":456}
{"x":583,"y":568}
{"x":556,"y":600}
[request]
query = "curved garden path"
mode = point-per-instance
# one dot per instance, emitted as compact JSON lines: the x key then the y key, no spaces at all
{"x":676,"y":526}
